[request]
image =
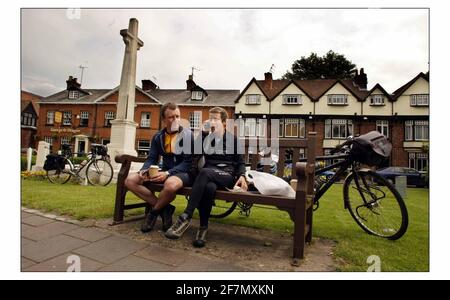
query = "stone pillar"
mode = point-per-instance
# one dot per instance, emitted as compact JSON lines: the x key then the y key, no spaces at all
{"x":123,"y":128}
{"x":400,"y":185}
{"x":42,"y":152}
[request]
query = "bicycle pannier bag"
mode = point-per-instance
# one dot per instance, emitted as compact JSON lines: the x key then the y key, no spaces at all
{"x":99,"y":149}
{"x":371,"y":148}
{"x":54,"y":162}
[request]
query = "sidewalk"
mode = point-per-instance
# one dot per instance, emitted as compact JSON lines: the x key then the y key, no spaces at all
{"x":50,"y":243}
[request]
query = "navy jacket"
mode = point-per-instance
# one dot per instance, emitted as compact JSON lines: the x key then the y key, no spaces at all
{"x":173,"y":163}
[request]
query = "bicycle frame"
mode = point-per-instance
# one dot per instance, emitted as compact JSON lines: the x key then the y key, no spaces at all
{"x":342,"y":167}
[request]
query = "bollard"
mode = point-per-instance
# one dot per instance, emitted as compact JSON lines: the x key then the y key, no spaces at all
{"x":400,"y":185}
{"x":29,"y":157}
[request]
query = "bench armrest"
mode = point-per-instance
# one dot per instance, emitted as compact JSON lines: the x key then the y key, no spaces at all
{"x":122,"y":158}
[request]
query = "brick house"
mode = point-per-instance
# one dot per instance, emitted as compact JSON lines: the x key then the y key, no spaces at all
{"x":29,"y":114}
{"x":337,"y":108}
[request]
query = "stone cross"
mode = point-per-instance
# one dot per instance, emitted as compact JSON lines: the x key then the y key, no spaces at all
{"x":123,"y":128}
{"x":125,"y":105}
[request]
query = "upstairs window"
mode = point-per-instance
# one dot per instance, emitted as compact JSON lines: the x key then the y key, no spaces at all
{"x":197,"y":95}
{"x":194,"y":119}
{"x":145,"y":119}
{"x":84,"y":118}
{"x":73,"y":94}
{"x":109,"y":115}
{"x":419,"y":100}
{"x":337,"y":99}
{"x":338,"y":128}
{"x":50,"y":117}
{"x":377,"y":100}
{"x":67,"y":118}
{"x":292,"y":99}
{"x":253,"y":99}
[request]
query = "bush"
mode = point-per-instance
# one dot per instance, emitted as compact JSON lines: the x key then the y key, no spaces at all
{"x":23,"y":162}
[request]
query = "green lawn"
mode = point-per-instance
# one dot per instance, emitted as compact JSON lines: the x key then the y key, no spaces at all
{"x":354,"y":246}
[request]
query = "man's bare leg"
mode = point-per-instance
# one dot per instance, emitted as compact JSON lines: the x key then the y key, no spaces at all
{"x":169,"y":192}
{"x":134,"y":183}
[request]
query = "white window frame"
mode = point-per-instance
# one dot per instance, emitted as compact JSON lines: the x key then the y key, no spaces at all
{"x":65,"y":140}
{"x":50,"y":117}
{"x":84,"y":115}
{"x":74,"y":94}
{"x":419,"y":100}
{"x":416,"y":130}
{"x":291,"y":122}
{"x":377,"y":100}
{"x":146,"y":119}
{"x":383,"y":127}
{"x":261,"y":127}
{"x":330,"y":124}
{"x":250,"y":127}
{"x":292,"y":99}
{"x":416,"y":160}
{"x":253,"y":99}
{"x":67,"y":118}
{"x":281,"y":128}
{"x":104,"y":141}
{"x":195,"y":119}
{"x":109,"y":115}
{"x":48,"y":139}
{"x":421,"y":130}
{"x":197,"y":95}
{"x":337,"y":99}
{"x":144,"y":148}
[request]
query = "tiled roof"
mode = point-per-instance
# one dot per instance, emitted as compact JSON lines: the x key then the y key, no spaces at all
{"x":183,"y":97}
{"x":404,"y":87}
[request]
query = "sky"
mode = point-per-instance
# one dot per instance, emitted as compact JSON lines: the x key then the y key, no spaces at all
{"x":228,"y":46}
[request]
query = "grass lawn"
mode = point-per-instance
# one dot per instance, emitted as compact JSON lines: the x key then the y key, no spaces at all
{"x":354,"y":246}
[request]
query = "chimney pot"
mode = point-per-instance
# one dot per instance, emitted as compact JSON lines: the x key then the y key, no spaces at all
{"x":190,"y":84}
{"x":268,"y":81}
{"x":148,"y":85}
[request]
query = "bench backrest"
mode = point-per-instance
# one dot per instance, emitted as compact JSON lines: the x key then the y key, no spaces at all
{"x":288,"y":153}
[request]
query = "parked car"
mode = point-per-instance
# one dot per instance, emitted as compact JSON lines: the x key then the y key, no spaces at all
{"x":413,"y":177}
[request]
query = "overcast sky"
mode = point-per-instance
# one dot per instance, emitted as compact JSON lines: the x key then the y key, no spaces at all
{"x":228,"y":46}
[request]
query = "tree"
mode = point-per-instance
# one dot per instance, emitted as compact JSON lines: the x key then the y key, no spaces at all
{"x":331,"y":65}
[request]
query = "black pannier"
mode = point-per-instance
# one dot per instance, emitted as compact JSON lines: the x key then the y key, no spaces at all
{"x":54,"y":162}
{"x":99,"y":149}
{"x":371,"y":148}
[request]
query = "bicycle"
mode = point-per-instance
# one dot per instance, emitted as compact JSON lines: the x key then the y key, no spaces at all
{"x":98,"y":167}
{"x":373,"y":202}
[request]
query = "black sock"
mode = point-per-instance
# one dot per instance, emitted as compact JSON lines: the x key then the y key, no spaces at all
{"x":154,"y":212}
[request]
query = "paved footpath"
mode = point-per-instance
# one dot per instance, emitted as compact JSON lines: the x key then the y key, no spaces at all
{"x":52,"y":243}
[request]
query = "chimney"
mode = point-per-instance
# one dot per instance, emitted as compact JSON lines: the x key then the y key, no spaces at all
{"x":190,"y":84}
{"x":148,"y":85}
{"x":361,"y":79}
{"x":72,"y":83}
{"x":268,"y":81}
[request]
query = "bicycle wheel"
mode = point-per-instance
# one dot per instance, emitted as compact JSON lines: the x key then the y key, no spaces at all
{"x":60,"y":175}
{"x":375,"y":205}
{"x":222,"y":208}
{"x":99,"y":172}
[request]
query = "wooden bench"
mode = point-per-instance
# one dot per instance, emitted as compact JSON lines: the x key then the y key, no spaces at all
{"x":300,"y":208}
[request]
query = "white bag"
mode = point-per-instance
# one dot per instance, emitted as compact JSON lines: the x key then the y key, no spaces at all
{"x":269,"y":185}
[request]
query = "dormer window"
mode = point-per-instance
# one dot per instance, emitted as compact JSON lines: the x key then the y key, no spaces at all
{"x":292,"y":99}
{"x":197,"y":95}
{"x":253,"y":99}
{"x":419,"y":100}
{"x":73,"y":94}
{"x":377,"y":100}
{"x":337,"y":99}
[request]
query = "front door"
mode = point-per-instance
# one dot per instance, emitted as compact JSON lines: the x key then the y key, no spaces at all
{"x":81,"y":146}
